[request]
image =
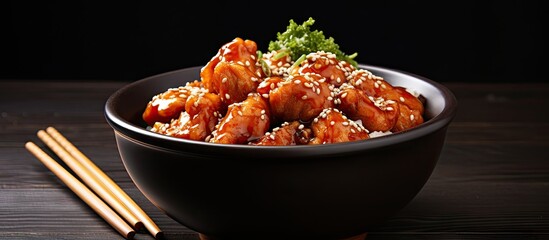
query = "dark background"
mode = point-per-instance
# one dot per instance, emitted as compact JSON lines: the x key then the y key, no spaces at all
{"x":459,"y":41}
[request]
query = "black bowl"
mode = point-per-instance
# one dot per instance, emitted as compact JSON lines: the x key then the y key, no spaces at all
{"x":320,"y":191}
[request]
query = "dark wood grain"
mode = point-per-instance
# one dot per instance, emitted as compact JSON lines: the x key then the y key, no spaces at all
{"x":491,"y":182}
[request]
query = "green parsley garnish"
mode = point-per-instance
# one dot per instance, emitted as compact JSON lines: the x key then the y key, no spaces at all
{"x":299,"y":40}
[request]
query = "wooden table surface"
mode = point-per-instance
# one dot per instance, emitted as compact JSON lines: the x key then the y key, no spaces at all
{"x":491,"y":182}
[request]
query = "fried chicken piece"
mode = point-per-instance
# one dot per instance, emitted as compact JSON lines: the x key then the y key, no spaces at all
{"x":199,"y":119}
{"x":376,"y":114}
{"x":293,"y":133}
{"x":331,"y":126}
{"x":269,"y":84}
{"x":411,"y":108}
{"x":233,"y":72}
{"x":168,"y":105}
{"x":366,"y":81}
{"x":328,"y":66}
{"x":301,"y":97}
{"x":244,"y":122}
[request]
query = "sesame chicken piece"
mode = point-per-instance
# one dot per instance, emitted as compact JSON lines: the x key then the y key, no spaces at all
{"x":233,"y":72}
{"x":300,"y":97}
{"x":168,"y":105}
{"x":366,"y":81}
{"x":197,"y":121}
{"x":269,"y":84}
{"x":233,"y":82}
{"x":408,"y":118}
{"x":331,"y":126}
{"x":403,"y":97}
{"x":328,"y":66}
{"x":411,"y":108}
{"x":244,"y":122}
{"x":376,"y":114}
{"x":293,"y":133}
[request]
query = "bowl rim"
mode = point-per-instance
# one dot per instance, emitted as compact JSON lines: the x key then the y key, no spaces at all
{"x":131,"y":131}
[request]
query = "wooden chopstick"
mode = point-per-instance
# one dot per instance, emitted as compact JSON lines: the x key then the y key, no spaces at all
{"x":91,"y":180}
{"x":83,"y":192}
{"x":106,"y":181}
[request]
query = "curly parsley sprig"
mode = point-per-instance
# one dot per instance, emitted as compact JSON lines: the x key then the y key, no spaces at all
{"x":299,"y":39}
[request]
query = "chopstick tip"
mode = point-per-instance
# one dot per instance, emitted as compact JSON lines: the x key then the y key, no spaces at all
{"x":139,"y":226}
{"x":159,"y":235}
{"x":130,"y":235}
{"x":29,"y":144}
{"x":50,"y":129}
{"x":41,"y":132}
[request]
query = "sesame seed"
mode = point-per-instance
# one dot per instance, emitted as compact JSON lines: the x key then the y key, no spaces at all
{"x":265,"y":95}
{"x":247,"y":63}
{"x":262,"y":111}
{"x":263,"y":117}
{"x":412,"y":117}
{"x":224,"y":80}
{"x":345,"y":123}
{"x":301,"y":126}
{"x":304,"y":97}
{"x":401,"y":99}
{"x":344,"y":95}
{"x":332,"y":123}
{"x":389,"y":108}
{"x":297,"y":81}
{"x":227,"y":96}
